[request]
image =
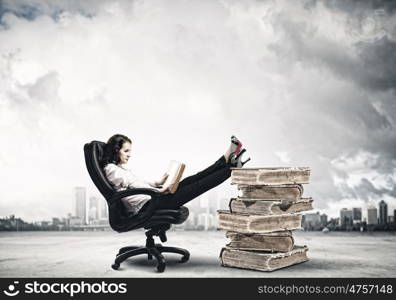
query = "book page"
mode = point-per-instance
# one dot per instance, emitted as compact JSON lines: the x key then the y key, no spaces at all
{"x":175,"y":172}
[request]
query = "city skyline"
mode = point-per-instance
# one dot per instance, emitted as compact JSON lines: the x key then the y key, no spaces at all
{"x":90,"y":213}
{"x":203,"y":217}
{"x":350,"y":219}
{"x":92,"y":209}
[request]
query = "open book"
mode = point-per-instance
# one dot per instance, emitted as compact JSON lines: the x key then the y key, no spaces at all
{"x":175,"y":172}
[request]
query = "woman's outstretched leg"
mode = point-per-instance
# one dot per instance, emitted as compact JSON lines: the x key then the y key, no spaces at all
{"x":195,"y":185}
{"x":235,"y":147}
{"x":190,"y":191}
{"x":219,"y":164}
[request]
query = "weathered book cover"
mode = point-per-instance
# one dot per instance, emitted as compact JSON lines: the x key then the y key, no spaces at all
{"x":273,"y":241}
{"x":291,"y":192}
{"x":256,"y":223}
{"x":260,"y":207}
{"x":262,"y":261}
{"x":270,"y":176}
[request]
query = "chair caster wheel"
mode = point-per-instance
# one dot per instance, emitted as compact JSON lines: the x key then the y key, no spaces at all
{"x":161,"y":268}
{"x":115,"y":266}
{"x":185,"y":258}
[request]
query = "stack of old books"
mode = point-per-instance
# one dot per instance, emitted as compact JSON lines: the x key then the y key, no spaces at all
{"x":260,"y":219}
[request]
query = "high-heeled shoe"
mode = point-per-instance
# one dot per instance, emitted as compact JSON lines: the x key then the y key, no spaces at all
{"x":237,"y":145}
{"x":236,"y":160}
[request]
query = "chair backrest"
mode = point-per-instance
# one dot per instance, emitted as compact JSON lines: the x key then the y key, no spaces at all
{"x":93,"y":153}
{"x":120,"y":220}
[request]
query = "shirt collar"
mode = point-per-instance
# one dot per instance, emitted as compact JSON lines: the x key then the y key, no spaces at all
{"x":123,"y":166}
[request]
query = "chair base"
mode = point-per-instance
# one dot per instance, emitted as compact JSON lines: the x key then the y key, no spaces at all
{"x":155,"y":250}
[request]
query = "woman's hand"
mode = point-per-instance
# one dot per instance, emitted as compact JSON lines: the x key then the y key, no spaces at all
{"x":163,"y":190}
{"x":162,"y":181}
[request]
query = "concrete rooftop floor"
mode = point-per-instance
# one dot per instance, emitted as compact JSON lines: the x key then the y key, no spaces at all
{"x":90,"y":254}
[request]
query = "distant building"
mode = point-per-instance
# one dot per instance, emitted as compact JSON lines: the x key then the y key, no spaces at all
{"x":57,"y":222}
{"x":206,"y":221}
{"x":73,"y":221}
{"x":394,"y":216}
{"x":383,"y":212}
{"x":323,"y":220}
{"x":44,"y":223}
{"x":190,"y":222}
{"x":346,"y":218}
{"x":81,"y":204}
{"x":104,"y":210}
{"x":213,"y":202}
{"x":390,"y":220}
{"x":333,"y":223}
{"x":311,"y":221}
{"x":357,"y":214}
{"x":372,"y":218}
{"x":202,"y":221}
{"x":93,"y":209}
{"x":212,"y":222}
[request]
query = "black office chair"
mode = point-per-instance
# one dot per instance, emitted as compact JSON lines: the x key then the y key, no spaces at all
{"x":157,"y":222}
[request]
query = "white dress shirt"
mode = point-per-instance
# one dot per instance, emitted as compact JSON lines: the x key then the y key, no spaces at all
{"x":122,"y":178}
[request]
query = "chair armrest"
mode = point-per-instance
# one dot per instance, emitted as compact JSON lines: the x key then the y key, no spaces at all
{"x":174,"y":216}
{"x":130,"y":192}
{"x":167,"y":212}
{"x":160,"y":220}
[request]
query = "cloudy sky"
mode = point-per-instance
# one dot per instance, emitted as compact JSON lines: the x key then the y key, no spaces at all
{"x":301,"y":83}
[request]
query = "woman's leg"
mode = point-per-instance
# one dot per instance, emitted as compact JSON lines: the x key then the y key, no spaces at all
{"x":222,"y":162}
{"x":219,"y":164}
{"x":195,"y":185}
{"x":192,"y":190}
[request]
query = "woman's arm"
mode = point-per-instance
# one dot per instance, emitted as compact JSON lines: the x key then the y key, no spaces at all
{"x":126,"y":179}
{"x":160,"y":182}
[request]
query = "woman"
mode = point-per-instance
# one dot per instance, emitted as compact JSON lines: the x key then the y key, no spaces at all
{"x":118,"y":152}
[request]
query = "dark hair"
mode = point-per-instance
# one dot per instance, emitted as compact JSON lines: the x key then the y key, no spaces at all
{"x":113,"y":146}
